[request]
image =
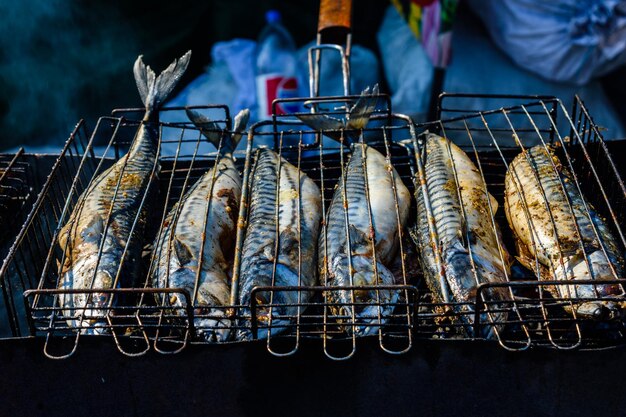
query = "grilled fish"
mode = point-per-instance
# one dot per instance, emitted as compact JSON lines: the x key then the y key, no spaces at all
{"x":197,"y":242}
{"x":102,"y":239}
{"x":541,"y":195}
{"x":469,"y":241}
{"x":363,"y":227}
{"x":279,"y":248}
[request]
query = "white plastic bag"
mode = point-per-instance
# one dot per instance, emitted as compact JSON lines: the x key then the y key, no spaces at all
{"x":561,"y":40}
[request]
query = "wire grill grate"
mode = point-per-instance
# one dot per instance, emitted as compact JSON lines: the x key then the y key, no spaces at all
{"x":139,"y":319}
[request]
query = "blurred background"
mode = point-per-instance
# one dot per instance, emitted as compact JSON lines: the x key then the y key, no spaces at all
{"x":61,"y":61}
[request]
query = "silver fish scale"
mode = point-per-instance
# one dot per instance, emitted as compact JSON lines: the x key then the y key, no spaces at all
{"x":102,"y":239}
{"x":208,"y":207}
{"x":358,"y":219}
{"x":363,"y":225}
{"x":261,"y":233}
{"x":558,"y":189}
{"x":193,"y":250}
{"x":560,"y":223}
{"x":373,"y":214}
{"x":468,"y":247}
{"x":446,"y":210}
{"x":83,"y":234}
{"x":135,"y":169}
{"x":259,"y":255}
{"x":444,"y":199}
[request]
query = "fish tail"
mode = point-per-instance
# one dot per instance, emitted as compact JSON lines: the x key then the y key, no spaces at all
{"x":362,"y":110}
{"x":213,"y":132}
{"x":357,"y":118}
{"x":153,"y":89}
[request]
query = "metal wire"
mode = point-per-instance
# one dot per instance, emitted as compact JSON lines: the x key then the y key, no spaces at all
{"x":536,"y":316}
{"x":139,"y":318}
{"x":326,"y":162}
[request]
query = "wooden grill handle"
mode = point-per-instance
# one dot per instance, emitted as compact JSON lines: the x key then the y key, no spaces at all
{"x":335,"y":20}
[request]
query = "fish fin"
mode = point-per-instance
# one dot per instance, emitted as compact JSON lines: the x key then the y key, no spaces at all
{"x":458,"y":245}
{"x":289,"y":246}
{"x":239,"y":126}
{"x":524,"y":256}
{"x":268,"y":252}
{"x":208,"y":127}
{"x":472,"y":293}
{"x":153,"y":89}
{"x":94,"y":230}
{"x":182,"y":251}
{"x":332,"y":127}
{"x":385,"y":276}
{"x":524,"y":261}
{"x":461,"y":233}
{"x":414,"y":234}
{"x":212,"y":131}
{"x":362,"y":110}
{"x":64,"y":235}
{"x":494,"y":202}
{"x":288,"y":241}
{"x":358,"y":237}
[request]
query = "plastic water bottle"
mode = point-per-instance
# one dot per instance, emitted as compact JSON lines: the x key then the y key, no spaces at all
{"x":275,"y":67}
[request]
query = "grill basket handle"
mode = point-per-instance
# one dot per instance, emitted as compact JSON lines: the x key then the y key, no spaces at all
{"x":335,"y":20}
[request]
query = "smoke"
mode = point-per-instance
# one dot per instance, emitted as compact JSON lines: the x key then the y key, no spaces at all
{"x":56,"y":58}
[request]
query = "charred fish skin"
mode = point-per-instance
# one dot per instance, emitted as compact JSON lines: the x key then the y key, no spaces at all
{"x":99,"y":240}
{"x":547,"y":215}
{"x":470,"y":248}
{"x":194,"y":250}
{"x":362,"y":256}
{"x":299,"y":214}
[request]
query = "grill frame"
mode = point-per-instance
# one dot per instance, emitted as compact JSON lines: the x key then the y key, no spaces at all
{"x":136,"y":345}
{"x":18,"y":187}
{"x":320,"y":324}
{"x":575,"y":156}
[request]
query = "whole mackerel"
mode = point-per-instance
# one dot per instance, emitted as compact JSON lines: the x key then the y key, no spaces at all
{"x":363,"y":225}
{"x":553,"y":228}
{"x":468,"y":239}
{"x":280,"y":244}
{"x":195,"y":248}
{"x":102,"y":239}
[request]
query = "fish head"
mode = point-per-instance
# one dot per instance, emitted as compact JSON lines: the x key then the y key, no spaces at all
{"x":88,"y":310}
{"x":212,"y":326}
{"x":460,"y":273}
{"x":213,"y":315}
{"x":265,"y":275}
{"x":600,"y":310}
{"x":179,"y":278}
{"x":596,"y":266}
{"x":274,"y":309}
{"x":266,"y":328}
{"x":375,"y":305}
{"x":362,"y":271}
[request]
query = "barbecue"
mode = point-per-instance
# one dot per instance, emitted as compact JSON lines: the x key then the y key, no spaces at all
{"x":349,"y":170}
{"x":533,"y":316}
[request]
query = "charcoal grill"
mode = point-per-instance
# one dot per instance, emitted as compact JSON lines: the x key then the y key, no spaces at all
{"x":138,"y":322}
{"x":441,"y":374}
{"x":535,"y":319}
{"x":20,"y":181}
